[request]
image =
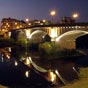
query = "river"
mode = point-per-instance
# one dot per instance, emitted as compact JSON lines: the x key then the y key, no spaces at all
{"x":21,"y":70}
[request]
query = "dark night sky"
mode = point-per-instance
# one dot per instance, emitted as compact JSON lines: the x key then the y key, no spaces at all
{"x":40,"y":9}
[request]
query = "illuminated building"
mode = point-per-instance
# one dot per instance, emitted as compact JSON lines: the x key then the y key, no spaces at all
{"x":8,"y":24}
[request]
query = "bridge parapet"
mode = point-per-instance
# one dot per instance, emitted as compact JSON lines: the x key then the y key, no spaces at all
{"x":55,"y":30}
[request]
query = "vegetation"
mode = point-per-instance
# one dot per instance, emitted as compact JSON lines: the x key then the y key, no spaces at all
{"x":83,"y":72}
{"x":22,"y":43}
{"x":48,"y":49}
{"x":9,"y":42}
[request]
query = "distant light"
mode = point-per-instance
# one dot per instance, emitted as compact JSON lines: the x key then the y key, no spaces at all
{"x":15,"y":23}
{"x":29,"y":24}
{"x":41,"y":23}
{"x":17,"y":27}
{"x":27,"y":20}
{"x":44,"y":21}
{"x":7,"y":23}
{"x":75,"y":15}
{"x":53,"y":12}
{"x":20,"y":26}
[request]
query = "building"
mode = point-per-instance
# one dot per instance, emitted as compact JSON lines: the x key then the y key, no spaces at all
{"x":8,"y":24}
{"x":67,"y":20}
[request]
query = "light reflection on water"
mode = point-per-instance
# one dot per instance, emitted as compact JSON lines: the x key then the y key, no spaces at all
{"x":16,"y":63}
{"x":29,"y":69}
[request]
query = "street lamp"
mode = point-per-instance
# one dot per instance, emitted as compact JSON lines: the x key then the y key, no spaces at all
{"x":53,"y":30}
{"x":53,"y":13}
{"x":75,"y":15}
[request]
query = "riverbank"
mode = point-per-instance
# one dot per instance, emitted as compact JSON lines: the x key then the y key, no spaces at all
{"x":81,"y":83}
{"x":1,"y":86}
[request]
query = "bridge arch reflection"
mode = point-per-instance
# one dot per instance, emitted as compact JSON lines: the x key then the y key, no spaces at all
{"x":82,"y":42}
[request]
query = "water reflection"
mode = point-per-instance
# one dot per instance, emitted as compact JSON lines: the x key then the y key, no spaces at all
{"x":30,"y":69}
{"x":16,"y":63}
{"x":27,"y":74}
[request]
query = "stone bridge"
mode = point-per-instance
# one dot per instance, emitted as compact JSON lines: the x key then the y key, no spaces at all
{"x":54,"y":30}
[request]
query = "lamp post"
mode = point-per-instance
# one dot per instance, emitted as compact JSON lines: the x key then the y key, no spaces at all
{"x":53,"y":30}
{"x":75,"y":16}
{"x":53,"y":13}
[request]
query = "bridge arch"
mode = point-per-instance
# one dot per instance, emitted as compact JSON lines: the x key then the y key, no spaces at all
{"x":39,"y":28}
{"x":39,"y":36}
{"x":82,"y":42}
{"x":70,"y":39}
